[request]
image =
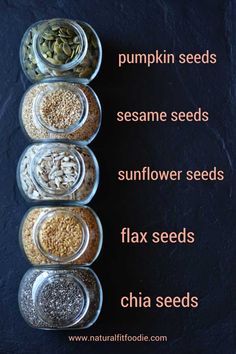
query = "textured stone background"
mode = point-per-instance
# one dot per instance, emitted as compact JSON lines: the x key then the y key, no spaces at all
{"x":207,"y":269}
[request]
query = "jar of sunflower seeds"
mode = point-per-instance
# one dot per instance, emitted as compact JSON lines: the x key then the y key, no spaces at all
{"x":58,"y":171}
{"x":61,"y":235}
{"x":60,"y":48}
{"x":56,"y":298}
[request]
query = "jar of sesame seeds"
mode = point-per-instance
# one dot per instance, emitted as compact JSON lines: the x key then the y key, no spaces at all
{"x":58,"y":171}
{"x":55,"y":298}
{"x":60,"y":48}
{"x":61,"y":111}
{"x":61,"y":235}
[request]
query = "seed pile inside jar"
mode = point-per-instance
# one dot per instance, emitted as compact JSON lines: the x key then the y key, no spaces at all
{"x":30,"y":109}
{"x":61,"y":300}
{"x":36,"y":257}
{"x":55,"y":304}
{"x":59,"y":44}
{"x":44,"y":189}
{"x":84,"y":70}
{"x":58,"y":170}
{"x":61,"y":235}
{"x":60,"y":108}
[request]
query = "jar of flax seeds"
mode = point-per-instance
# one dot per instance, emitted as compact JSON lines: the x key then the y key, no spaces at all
{"x":61,"y":235}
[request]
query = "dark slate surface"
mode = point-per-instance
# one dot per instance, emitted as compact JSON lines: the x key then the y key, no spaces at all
{"x":207,"y":269}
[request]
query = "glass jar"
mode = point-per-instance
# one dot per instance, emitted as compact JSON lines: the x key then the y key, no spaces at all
{"x":58,"y":171}
{"x":61,"y":235}
{"x":60,"y":110}
{"x":56,"y":298}
{"x":60,"y":48}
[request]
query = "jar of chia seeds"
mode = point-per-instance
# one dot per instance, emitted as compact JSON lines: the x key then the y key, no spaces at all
{"x":61,"y":235}
{"x":58,"y":171}
{"x":60,"y":48}
{"x":56,"y":298}
{"x":60,"y":111}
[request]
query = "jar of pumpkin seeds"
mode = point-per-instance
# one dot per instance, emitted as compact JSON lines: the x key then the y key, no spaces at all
{"x":60,"y":48}
{"x":58,"y":171}
{"x":56,"y":298}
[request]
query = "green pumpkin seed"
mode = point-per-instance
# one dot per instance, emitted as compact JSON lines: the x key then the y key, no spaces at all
{"x":48,"y":36}
{"x":59,"y":62}
{"x":44,"y":48}
{"x":66,"y":49}
{"x":63,"y":35}
{"x":49,"y":45}
{"x":61,"y":56}
{"x":70,"y":32}
{"x":72,"y":54}
{"x":52,"y":60}
{"x":62,"y":30}
{"x":76,"y":39}
{"x":55,"y":27}
{"x":57,"y":48}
